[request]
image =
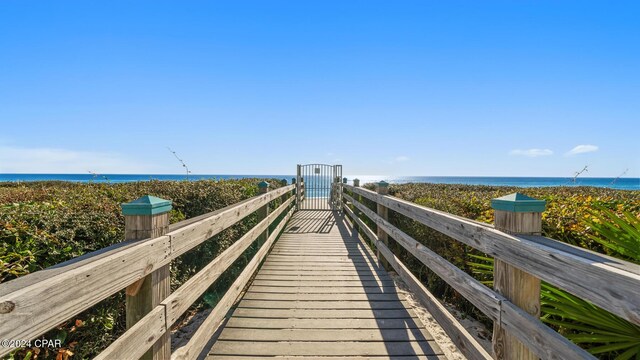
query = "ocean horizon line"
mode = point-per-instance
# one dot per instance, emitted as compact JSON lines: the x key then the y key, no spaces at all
{"x":620,"y":183}
{"x":293,"y":175}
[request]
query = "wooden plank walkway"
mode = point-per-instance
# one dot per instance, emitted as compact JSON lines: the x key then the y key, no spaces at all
{"x":320,"y":293}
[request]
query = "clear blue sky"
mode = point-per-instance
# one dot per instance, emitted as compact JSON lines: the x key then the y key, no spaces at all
{"x":382,"y":87}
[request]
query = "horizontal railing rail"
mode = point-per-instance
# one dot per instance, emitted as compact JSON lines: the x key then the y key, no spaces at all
{"x":137,"y":340}
{"x":35,"y":303}
{"x":460,"y":336}
{"x":607,"y":282}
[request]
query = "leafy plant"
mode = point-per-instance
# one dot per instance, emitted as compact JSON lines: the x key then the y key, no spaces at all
{"x":620,"y":235}
{"x":601,"y":332}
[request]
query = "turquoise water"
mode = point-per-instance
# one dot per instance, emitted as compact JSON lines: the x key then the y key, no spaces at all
{"x":619,"y":183}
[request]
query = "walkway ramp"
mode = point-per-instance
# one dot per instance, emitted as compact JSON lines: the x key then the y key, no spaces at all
{"x":321,"y":293}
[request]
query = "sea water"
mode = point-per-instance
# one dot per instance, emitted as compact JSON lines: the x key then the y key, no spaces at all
{"x":614,"y":183}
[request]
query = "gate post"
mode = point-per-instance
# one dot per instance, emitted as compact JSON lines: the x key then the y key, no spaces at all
{"x":383,"y":189}
{"x":148,"y":217}
{"x":263,"y":212}
{"x":516,"y":214}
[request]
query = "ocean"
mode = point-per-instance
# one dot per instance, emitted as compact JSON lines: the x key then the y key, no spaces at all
{"x":613,"y":183}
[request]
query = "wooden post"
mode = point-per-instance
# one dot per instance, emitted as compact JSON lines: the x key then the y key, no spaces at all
{"x":148,"y":217}
{"x":295,"y":192}
{"x":298,"y":187}
{"x":356,"y":212}
{"x":516,"y":214}
{"x":340,"y":192}
{"x":335,"y":189}
{"x":263,"y":212}
{"x":383,"y":189}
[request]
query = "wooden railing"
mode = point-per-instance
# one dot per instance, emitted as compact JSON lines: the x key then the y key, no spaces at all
{"x":607,"y":282}
{"x":33,"y":304}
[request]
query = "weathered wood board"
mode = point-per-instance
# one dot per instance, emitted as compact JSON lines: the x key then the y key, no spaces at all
{"x":321,"y":293}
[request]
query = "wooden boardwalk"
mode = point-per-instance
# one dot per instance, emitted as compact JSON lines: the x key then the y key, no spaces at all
{"x":320,"y":293}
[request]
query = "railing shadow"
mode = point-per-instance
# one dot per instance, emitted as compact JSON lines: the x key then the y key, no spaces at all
{"x":308,"y":221}
{"x":401,"y":330}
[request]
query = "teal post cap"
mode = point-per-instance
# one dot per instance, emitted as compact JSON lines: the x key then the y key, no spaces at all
{"x":146,"y":205}
{"x":383,"y":184}
{"x":263,"y":184}
{"x":517,"y":202}
{"x":344,"y":180}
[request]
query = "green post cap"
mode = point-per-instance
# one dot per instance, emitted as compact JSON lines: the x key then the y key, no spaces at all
{"x":383,"y":184}
{"x":146,"y":205}
{"x":263,"y":184}
{"x":517,"y":202}
{"x":344,"y":180}
{"x":293,"y":180}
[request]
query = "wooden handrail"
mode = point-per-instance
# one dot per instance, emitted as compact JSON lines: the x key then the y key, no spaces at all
{"x":98,"y":275}
{"x":198,"y":341}
{"x":467,"y":344}
{"x":543,"y":340}
{"x":137,"y":340}
{"x":478,"y":294}
{"x":582,"y":272}
{"x":607,"y":282}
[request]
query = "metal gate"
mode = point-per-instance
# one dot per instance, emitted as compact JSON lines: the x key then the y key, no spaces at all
{"x":317,"y":187}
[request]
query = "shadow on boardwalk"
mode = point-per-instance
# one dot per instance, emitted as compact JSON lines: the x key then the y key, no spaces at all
{"x":320,"y":293}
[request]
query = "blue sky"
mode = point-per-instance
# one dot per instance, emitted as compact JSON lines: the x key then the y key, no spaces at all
{"x":503,"y":88}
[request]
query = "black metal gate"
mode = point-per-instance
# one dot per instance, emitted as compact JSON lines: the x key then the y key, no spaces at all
{"x":317,"y":186}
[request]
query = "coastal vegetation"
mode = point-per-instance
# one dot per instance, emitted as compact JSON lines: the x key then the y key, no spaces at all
{"x":45,"y":223}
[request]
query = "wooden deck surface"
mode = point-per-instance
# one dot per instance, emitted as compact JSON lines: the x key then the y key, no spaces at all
{"x":320,"y":293}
